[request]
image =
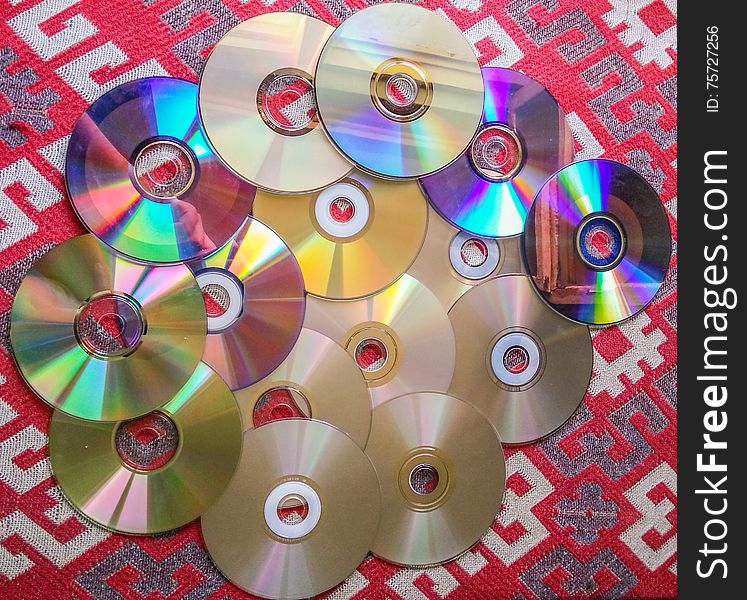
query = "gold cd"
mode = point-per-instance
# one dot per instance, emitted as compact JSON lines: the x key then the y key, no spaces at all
{"x":523,"y":365}
{"x":101,"y":337}
{"x":300,"y":514}
{"x":354,"y":237}
{"x":401,"y":338}
{"x":258,"y":105}
{"x":317,"y":380}
{"x":442,"y":477}
{"x":453,"y":261}
{"x":156,"y":472}
{"x":400,"y":90}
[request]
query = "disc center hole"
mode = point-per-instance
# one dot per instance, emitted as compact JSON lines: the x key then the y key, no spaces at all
{"x":474,"y":252}
{"x":217,"y":299}
{"x":497,"y":152}
{"x":109,"y":325}
{"x":280,"y":403}
{"x":600,"y":242}
{"x":148,"y":442}
{"x":423,"y":479}
{"x":287,"y":103}
{"x":401,"y":89}
{"x":292,"y":509}
{"x":341,"y":209}
{"x":164,"y":169}
{"x":371,"y":355}
{"x":516,"y":360}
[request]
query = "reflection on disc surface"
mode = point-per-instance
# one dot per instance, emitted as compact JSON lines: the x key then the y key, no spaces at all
{"x":609,"y":242}
{"x":254,"y":293}
{"x":521,"y":364}
{"x":523,"y":139}
{"x":451,"y":261}
{"x":102,"y":472}
{"x":100,"y":337}
{"x":318,"y":379}
{"x":143,"y":178}
{"x":258,"y":89}
{"x":399,"y":90}
{"x":300,"y":514}
{"x":354,"y":237}
{"x":401,"y":338}
{"x":442,"y":477}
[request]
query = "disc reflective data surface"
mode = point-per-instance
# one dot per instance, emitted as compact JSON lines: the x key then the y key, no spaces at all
{"x":154,"y":473}
{"x":300,"y":514}
{"x":143,"y":178}
{"x":401,"y":338}
{"x":399,"y":90}
{"x":598,"y":242}
{"x":354,"y":237}
{"x":523,"y":139}
{"x":442,"y":477}
{"x":318,"y":380}
{"x":254,"y":295}
{"x":100,"y":337}
{"x":521,"y":364}
{"x":258,"y":105}
{"x":452,"y":261}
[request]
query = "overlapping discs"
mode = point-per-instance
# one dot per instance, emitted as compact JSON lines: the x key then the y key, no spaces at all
{"x":523,"y":139}
{"x":154,"y":473}
{"x":258,"y":105}
{"x":318,"y":380}
{"x":354,"y":237}
{"x":401,"y":338}
{"x":254,"y":295}
{"x":524,"y":366}
{"x":300,"y":514}
{"x":442,"y":477}
{"x":100,"y":337}
{"x":143,"y":178}
{"x":399,"y":90}
{"x":597,"y":242}
{"x":452,"y":261}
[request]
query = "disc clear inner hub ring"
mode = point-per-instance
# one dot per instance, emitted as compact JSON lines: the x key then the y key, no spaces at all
{"x":286,"y":102}
{"x":109,"y":325}
{"x":497,"y":152}
{"x":401,"y":90}
{"x":163,"y":169}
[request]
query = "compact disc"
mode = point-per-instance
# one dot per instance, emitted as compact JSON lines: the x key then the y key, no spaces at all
{"x":523,"y":365}
{"x":523,"y":139}
{"x":103,"y":338}
{"x":442,"y":476}
{"x":452,"y":261}
{"x":258,"y":105}
{"x":254,"y":295}
{"x":399,"y":90}
{"x":597,"y":242}
{"x":143,"y":178}
{"x":318,"y":380}
{"x":401,"y":337}
{"x":300,"y":514}
{"x":156,"y":472}
{"x":354,"y":237}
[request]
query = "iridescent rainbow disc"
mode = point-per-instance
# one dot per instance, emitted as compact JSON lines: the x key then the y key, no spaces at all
{"x":143,"y":178}
{"x":523,"y":139}
{"x":100,"y":337}
{"x":399,"y":90}
{"x":255,"y":300}
{"x":597,"y":242}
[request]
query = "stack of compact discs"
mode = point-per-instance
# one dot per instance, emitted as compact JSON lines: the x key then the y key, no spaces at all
{"x":321,"y":290}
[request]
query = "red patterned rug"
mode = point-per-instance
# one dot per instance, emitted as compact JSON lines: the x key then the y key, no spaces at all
{"x":589,"y":512}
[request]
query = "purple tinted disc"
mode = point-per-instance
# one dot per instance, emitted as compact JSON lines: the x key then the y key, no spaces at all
{"x":523,"y":139}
